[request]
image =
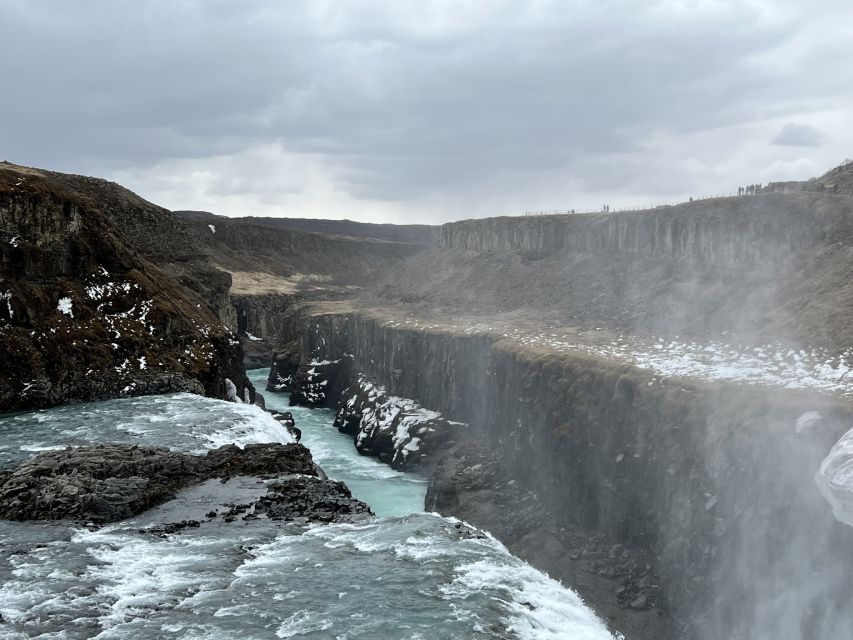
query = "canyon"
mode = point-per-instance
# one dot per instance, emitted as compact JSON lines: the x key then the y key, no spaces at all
{"x":636,"y":403}
{"x":640,"y":401}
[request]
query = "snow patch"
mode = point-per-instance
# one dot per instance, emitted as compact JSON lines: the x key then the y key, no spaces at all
{"x":769,"y":364}
{"x":212,"y":228}
{"x":382,"y":417}
{"x":64,"y":306}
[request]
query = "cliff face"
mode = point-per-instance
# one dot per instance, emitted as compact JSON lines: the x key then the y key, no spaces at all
{"x":711,"y":484}
{"x":753,"y":269}
{"x":85,"y":314}
{"x":724,"y":230}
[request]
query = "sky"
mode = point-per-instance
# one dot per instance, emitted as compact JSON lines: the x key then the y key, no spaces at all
{"x":426,"y":111}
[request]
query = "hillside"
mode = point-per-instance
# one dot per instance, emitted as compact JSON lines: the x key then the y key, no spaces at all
{"x":91,"y":304}
{"x":410,"y":233}
{"x":837,"y":180}
{"x":296,"y":260}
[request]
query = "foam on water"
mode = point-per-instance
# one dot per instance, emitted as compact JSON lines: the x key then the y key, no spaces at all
{"x":394,"y":578}
{"x":413,"y":576}
{"x":181,"y":421}
{"x":388,"y":492}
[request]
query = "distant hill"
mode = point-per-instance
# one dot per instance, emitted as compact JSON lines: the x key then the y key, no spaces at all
{"x":413,"y":233}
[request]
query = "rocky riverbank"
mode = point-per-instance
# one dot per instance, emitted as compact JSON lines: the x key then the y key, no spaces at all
{"x":108,"y":483}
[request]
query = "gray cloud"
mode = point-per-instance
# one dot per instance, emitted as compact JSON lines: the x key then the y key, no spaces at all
{"x":798,"y":135}
{"x":402,"y":109}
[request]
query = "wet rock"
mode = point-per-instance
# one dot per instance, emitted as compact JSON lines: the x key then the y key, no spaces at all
{"x":312,"y":499}
{"x":287,"y":421}
{"x":112,"y":482}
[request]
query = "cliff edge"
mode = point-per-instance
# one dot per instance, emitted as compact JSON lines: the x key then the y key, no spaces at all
{"x":86,"y":310}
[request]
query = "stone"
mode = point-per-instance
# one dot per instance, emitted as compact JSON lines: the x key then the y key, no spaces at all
{"x":107,"y":483}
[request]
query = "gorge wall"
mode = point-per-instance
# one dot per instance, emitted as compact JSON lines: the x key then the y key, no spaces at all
{"x":711,"y":483}
{"x":91,"y":306}
{"x":725,"y":229}
{"x":770,"y":267}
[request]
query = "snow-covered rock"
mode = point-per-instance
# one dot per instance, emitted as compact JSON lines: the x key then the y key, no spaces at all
{"x":397,"y":430}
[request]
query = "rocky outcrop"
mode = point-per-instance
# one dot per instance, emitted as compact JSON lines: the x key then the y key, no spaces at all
{"x":263,"y":321}
{"x":398,"y":431}
{"x":310,"y":499}
{"x":84,"y":314}
{"x":108,"y":483}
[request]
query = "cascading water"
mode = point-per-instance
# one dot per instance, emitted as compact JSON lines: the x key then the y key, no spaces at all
{"x":404,"y":574}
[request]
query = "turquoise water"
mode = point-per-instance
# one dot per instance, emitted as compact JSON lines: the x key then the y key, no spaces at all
{"x":402,"y":576}
{"x":388,"y":492}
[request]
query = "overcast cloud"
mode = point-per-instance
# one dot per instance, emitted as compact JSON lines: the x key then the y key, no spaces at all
{"x":426,"y":111}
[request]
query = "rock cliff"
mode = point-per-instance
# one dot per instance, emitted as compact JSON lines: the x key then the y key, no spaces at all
{"x":86,"y":313}
{"x":746,"y":268}
{"x":651,"y":495}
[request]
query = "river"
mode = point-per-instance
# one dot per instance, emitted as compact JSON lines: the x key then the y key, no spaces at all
{"x":405,"y":574}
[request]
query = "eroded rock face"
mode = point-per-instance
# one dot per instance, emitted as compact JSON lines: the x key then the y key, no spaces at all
{"x":582,"y":457}
{"x":285,"y":364}
{"x":108,"y":483}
